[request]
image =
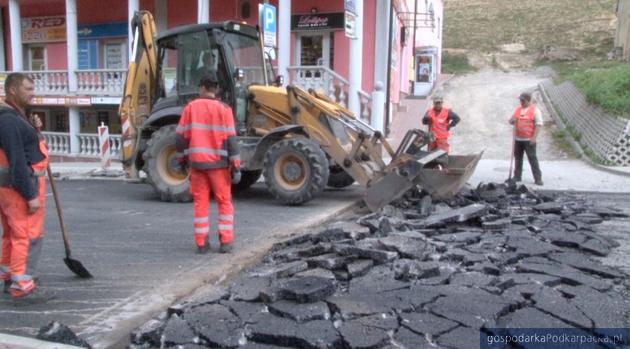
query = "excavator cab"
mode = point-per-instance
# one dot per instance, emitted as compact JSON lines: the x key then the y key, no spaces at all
{"x":231,"y":51}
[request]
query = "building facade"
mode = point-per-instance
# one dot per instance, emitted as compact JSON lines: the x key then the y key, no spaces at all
{"x":77,"y":53}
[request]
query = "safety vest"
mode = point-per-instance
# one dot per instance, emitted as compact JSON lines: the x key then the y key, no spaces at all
{"x":439,"y":123}
{"x":207,"y":126}
{"x":39,"y":168}
{"x":525,"y":122}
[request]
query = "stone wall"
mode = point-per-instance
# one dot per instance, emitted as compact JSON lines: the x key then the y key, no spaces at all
{"x":606,"y":135}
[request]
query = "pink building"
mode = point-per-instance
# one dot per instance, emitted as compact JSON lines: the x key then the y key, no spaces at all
{"x":79,"y":79}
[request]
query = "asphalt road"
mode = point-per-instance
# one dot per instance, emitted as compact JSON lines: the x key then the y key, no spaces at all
{"x":141,"y":252}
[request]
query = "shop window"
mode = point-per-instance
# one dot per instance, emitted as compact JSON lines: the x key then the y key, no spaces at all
{"x":60,"y":122}
{"x":115,"y":55}
{"x":246,"y":9}
{"x":37,"y":58}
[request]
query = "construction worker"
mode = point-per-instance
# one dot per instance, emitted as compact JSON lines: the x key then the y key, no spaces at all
{"x":527,"y":120}
{"x":23,"y":162}
{"x":440,"y":121}
{"x":207,"y":138}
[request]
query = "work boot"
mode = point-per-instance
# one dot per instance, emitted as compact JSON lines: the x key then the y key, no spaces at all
{"x":35,"y":296}
{"x":203,"y":249}
{"x":21,"y":288}
{"x":226,"y":248}
{"x":5,"y":277}
{"x":539,"y":182}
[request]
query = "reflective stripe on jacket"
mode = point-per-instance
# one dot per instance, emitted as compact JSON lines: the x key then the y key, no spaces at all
{"x":439,"y":123}
{"x":206,"y":134}
{"x":525,"y":122}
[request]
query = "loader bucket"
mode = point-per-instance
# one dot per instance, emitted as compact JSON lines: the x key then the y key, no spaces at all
{"x":442,"y":184}
{"x":439,"y":183}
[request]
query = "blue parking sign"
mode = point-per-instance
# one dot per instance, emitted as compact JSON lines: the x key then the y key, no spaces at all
{"x":268,"y":23}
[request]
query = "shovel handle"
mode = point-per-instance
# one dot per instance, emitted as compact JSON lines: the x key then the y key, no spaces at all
{"x":62,"y":224}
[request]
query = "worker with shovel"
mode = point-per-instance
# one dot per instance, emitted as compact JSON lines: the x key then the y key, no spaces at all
{"x":527,"y":120}
{"x":23,"y":162}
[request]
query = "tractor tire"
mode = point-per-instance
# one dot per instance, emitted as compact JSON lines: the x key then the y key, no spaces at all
{"x":295,"y":170}
{"x":248,"y":178}
{"x":339,"y":178}
{"x":163,"y":172}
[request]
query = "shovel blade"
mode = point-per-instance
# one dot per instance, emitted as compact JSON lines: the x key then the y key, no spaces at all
{"x":76,"y":267}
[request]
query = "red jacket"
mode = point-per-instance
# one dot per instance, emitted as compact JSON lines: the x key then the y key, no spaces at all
{"x":206,"y":134}
{"x":439,"y":123}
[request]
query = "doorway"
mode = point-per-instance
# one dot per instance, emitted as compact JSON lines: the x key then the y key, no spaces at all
{"x":315,"y":49}
{"x":37,"y":58}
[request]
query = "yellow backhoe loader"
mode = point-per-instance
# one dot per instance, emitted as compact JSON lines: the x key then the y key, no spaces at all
{"x":301,"y":141}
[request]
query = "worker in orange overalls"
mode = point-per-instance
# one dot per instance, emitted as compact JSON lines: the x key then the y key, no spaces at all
{"x":23,"y":162}
{"x":440,"y":121}
{"x":207,"y":138}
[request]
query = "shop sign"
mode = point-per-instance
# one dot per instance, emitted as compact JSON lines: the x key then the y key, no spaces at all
{"x":43,"y":29}
{"x":351,"y":27}
{"x":106,"y":100}
{"x":98,"y":31}
{"x":318,"y":21}
{"x":65,"y":101}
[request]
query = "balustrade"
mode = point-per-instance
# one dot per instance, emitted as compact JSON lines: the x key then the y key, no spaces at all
{"x":58,"y":142}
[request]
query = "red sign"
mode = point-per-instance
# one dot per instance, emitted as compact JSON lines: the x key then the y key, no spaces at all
{"x":43,"y":29}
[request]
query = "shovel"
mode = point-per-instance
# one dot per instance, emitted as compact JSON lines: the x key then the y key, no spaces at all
{"x":74,"y":265}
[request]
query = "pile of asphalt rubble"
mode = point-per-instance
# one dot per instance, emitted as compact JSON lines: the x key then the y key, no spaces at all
{"x":416,"y":274}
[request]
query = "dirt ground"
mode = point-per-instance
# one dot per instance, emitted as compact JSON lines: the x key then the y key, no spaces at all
{"x":485,"y":100}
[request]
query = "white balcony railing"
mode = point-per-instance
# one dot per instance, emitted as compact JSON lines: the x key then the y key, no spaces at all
{"x":334,"y":86}
{"x":321,"y":78}
{"x":109,"y":82}
{"x":59,"y":144}
{"x":49,"y":82}
{"x":95,"y":82}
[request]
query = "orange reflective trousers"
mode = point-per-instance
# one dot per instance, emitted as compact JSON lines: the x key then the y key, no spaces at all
{"x":22,"y":232}
{"x":216,"y":182}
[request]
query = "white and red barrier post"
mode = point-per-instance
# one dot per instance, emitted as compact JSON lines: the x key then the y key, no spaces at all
{"x":103,"y":141}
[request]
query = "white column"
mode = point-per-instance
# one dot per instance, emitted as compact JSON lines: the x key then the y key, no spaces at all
{"x":356,"y":62}
{"x":133,"y":6}
{"x":161,"y":17}
{"x":284,"y":38}
{"x":75,"y":128}
{"x":16,"y":35}
{"x":73,"y":63}
{"x":203,"y":11}
{"x":378,"y":107}
{"x":72,"y":44}
{"x":381,"y":36}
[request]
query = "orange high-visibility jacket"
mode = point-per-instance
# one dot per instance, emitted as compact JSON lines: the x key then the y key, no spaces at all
{"x":439,"y":123}
{"x":525,"y":122}
{"x":206,"y":134}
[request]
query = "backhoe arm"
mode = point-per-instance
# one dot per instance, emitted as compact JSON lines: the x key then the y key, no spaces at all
{"x":139,"y":87}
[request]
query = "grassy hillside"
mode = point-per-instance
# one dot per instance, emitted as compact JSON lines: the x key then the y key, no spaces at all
{"x":485,"y":25}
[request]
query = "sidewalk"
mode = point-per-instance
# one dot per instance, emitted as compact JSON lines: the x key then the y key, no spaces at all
{"x":87,"y":170}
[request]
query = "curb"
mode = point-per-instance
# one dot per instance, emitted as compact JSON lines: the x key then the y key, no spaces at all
{"x":575,"y":145}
